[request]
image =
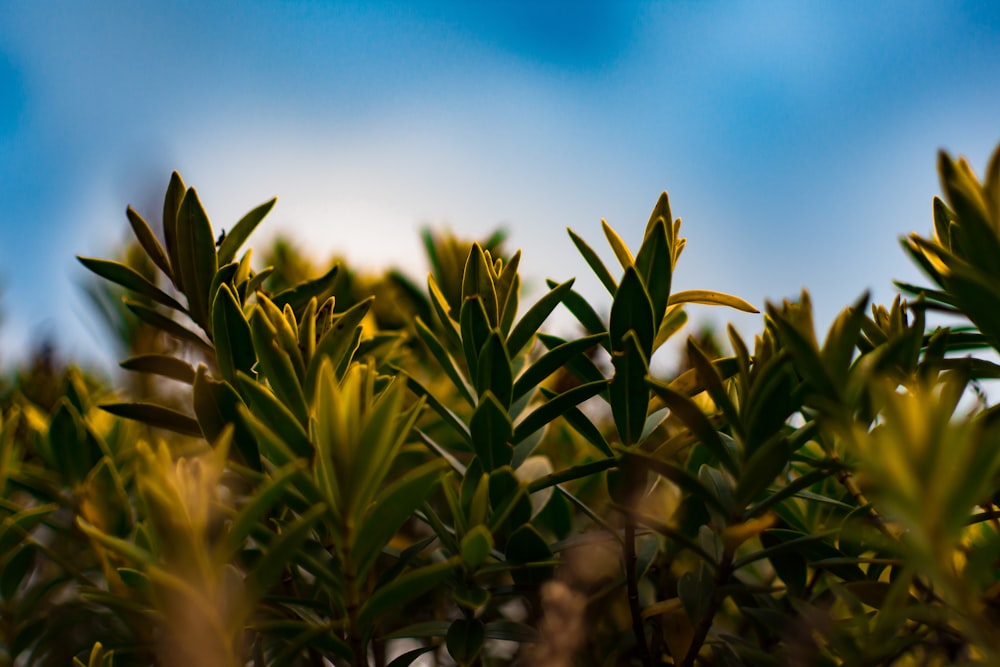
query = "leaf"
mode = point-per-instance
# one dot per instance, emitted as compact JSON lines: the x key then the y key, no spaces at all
{"x":627,"y":392}
{"x":582,"y":311}
{"x":494,"y":373}
{"x":280,"y":552}
{"x":298,"y":296}
{"x":266,"y":407}
{"x":695,"y":591}
{"x":679,"y":476}
{"x":595,"y":263}
{"x":338,"y":343}
{"x":130,"y":279}
{"x":15,"y":527}
{"x":231,"y":333}
{"x":477,"y":280}
{"x":196,"y":252}
{"x":449,"y":417}
{"x":696,"y":421}
{"x":154,"y":318}
{"x":216,"y":405}
{"x":171,"y":206}
{"x":246,"y":520}
{"x":711,"y":298}
{"x":528,"y":325}
{"x":632,"y":310}
{"x":550,"y":362}
{"x":160,"y":364}
{"x":761,"y":468}
{"x":476,"y":547}
{"x":393,"y":505}
{"x":491,"y":431}
{"x":147,"y":239}
{"x":411,"y":656}
{"x":155,"y":415}
{"x":74,"y":457}
{"x":394,"y":595}
{"x":708,"y":375}
{"x":655,"y":264}
{"x":275,"y":365}
{"x":511,"y":631}
{"x":238,"y":235}
{"x":618,"y":246}
{"x":582,"y":424}
{"x":465,"y":639}
{"x":551,"y":409}
{"x":444,"y":360}
{"x":476,"y":329}
{"x":526,"y":545}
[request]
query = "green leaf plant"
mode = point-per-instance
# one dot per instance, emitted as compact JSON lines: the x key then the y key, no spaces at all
{"x":320,"y":466}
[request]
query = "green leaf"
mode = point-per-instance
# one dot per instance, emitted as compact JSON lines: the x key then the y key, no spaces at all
{"x":155,"y":415}
{"x":491,"y":432}
{"x":679,"y":476}
{"x":446,"y":414}
{"x":476,"y":547}
{"x":582,"y":424}
{"x":130,"y":279}
{"x":628,"y":393}
{"x":621,"y":250}
{"x":393,"y":505}
{"x":582,"y":311}
{"x":508,"y":284}
{"x":272,"y":412}
{"x":411,"y":656}
{"x":147,"y":239}
{"x":238,"y":235}
{"x":15,"y":570}
{"x":475,"y":330}
{"x":280,"y":552}
{"x":231,"y":333}
{"x":511,"y":631}
{"x":558,"y":356}
{"x":595,"y":263}
{"x":160,"y":364}
{"x":298,"y":296}
{"x":275,"y":365}
{"x":711,"y":298}
{"x":494,"y":373}
{"x":581,"y":367}
{"x":394,"y":595}
{"x":216,"y":405}
{"x":246,"y":520}
{"x":339,"y":343}
{"x":708,"y":375}
{"x":695,"y":592}
{"x":509,"y":499}
{"x":528,"y":325}
{"x":444,"y":360}
{"x":198,"y":260}
{"x":154,"y":318}
{"x":692,"y":416}
{"x":761,"y":468}
{"x":632,"y":310}
{"x":526,"y":545}
{"x":551,"y":409}
{"x":655,"y":264}
{"x":74,"y":454}
{"x":465,"y":640}
{"x":14,"y":527}
{"x":171,"y":206}
{"x":477,"y":280}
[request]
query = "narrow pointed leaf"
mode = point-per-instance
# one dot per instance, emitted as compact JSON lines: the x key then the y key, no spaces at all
{"x":696,"y":421}
{"x":528,"y":325}
{"x":444,"y":360}
{"x":491,"y":431}
{"x":275,"y":414}
{"x":147,"y":239}
{"x":555,"y":407}
{"x":655,"y":265}
{"x":171,"y":206}
{"x":280,"y":552}
{"x":298,"y":296}
{"x":711,"y":298}
{"x":475,"y":330}
{"x":156,"y":415}
{"x":157,"y":319}
{"x":595,"y":263}
{"x":130,"y":279}
{"x":557,"y":357}
{"x":160,"y":364}
{"x":582,"y":311}
{"x":339,"y":343}
{"x":628,"y":392}
{"x":196,"y":252}
{"x":238,"y":235}
{"x":621,"y":250}
{"x":231,"y":334}
{"x":494,"y":373}
{"x":394,"y":595}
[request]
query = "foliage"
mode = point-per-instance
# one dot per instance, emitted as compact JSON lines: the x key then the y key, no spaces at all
{"x":322,"y":467}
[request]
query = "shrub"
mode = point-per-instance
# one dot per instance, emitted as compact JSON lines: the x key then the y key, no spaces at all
{"x":308,"y":475}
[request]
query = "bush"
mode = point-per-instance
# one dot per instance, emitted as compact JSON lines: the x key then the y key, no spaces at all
{"x":308,"y":474}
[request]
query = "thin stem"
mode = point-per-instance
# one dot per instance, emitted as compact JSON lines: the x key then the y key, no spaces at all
{"x":722,"y":575}
{"x":633,"y":591}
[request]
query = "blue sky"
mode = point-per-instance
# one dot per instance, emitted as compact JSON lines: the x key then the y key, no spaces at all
{"x":797,"y":139}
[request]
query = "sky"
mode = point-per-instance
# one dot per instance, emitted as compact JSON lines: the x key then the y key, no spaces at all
{"x":797,"y":140}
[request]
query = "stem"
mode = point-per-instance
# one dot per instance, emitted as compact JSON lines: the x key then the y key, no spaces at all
{"x":722,"y":574}
{"x":633,"y":591}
